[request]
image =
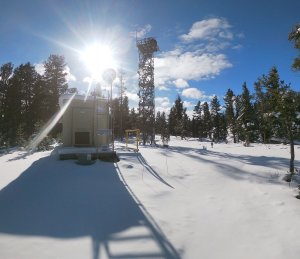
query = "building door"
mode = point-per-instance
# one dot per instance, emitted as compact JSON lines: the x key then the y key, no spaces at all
{"x":82,"y":126}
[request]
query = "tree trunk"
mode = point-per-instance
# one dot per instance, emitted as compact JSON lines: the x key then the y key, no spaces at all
{"x":292,"y":150}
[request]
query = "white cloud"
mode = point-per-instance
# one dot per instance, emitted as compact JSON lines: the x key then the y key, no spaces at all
{"x":180,"y":83}
{"x":69,"y":76}
{"x":190,"y":113}
{"x":132,"y":96}
{"x":201,"y":60}
{"x":188,"y":66}
{"x":141,"y":32}
{"x":209,"y":29}
{"x":193,"y":93}
{"x":238,"y":46}
{"x":188,"y":104}
{"x":39,"y":68}
{"x":162,"y":104}
{"x":163,"y":88}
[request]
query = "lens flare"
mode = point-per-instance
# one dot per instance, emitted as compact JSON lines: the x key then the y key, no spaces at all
{"x":49,"y":126}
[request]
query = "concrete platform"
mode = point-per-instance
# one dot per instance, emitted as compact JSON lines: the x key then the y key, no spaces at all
{"x":87,"y":153}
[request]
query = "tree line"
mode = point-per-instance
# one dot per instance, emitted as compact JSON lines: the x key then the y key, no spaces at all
{"x":28,"y":99}
{"x":271,"y":113}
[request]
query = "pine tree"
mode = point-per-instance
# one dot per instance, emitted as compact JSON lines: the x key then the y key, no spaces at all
{"x":6,"y":72}
{"x":262,"y":111}
{"x":176,"y":117}
{"x":158,"y":123}
{"x":246,"y":116}
{"x":116,"y":115}
{"x":197,"y":127}
{"x":164,"y":130}
{"x":281,"y":106}
{"x":26,"y":80}
{"x":229,"y":100}
{"x":124,"y":115}
{"x":268,"y":90}
{"x":294,"y":36}
{"x":55,"y":83}
{"x":223,"y":128}
{"x":133,"y":119}
{"x":13,"y":108}
{"x":215,"y":118}
{"x":185,"y":125}
{"x":288,"y":108}
{"x":207,"y":125}
{"x":238,"y":122}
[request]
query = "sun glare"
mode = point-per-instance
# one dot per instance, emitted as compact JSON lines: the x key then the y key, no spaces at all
{"x":97,"y":58}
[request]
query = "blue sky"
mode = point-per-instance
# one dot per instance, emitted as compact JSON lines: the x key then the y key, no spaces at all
{"x":206,"y":47}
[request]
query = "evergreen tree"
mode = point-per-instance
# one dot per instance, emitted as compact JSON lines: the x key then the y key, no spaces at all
{"x":246,"y":116}
{"x":133,"y":119}
{"x":223,"y":127}
{"x":261,"y":108}
{"x":26,"y":80}
{"x":116,"y":115}
{"x":238,"y":122}
{"x":282,"y":106}
{"x":55,"y":83}
{"x":179,"y":123}
{"x":197,"y":127}
{"x":124,"y":115}
{"x":172,"y":121}
{"x":268,"y":89}
{"x":207,"y":126}
{"x":158,"y":123}
{"x":229,"y":100}
{"x":185,"y":125}
{"x":164,"y":130}
{"x":294,"y":36}
{"x":6,"y":72}
{"x":215,"y":118}
{"x":288,"y":110}
{"x":13,"y":108}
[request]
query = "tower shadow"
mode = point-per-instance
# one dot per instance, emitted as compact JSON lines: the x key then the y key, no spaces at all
{"x":63,"y":200}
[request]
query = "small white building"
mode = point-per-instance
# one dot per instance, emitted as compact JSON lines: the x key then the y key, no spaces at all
{"x":85,"y":121}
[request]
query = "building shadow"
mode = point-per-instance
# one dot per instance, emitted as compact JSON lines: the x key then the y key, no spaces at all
{"x":61,"y":199}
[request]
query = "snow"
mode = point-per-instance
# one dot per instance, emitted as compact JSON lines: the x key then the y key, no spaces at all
{"x":186,"y":201}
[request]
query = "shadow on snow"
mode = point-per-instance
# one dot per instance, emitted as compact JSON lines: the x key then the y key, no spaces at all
{"x":64,"y":200}
{"x":230,"y":170}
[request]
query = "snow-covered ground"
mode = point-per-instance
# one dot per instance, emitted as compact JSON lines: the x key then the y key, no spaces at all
{"x":187,"y":201}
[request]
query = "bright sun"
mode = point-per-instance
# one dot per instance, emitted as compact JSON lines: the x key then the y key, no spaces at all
{"x":97,"y":58}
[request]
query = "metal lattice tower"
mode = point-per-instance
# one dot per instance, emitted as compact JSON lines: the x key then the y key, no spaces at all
{"x":146,"y":93}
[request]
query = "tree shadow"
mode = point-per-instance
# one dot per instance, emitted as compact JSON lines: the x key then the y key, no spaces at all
{"x":63,"y":200}
{"x":150,"y":170}
{"x":137,"y":157}
{"x":232,"y":171}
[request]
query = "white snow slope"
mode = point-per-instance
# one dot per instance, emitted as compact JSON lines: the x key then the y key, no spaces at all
{"x":182,"y":202}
